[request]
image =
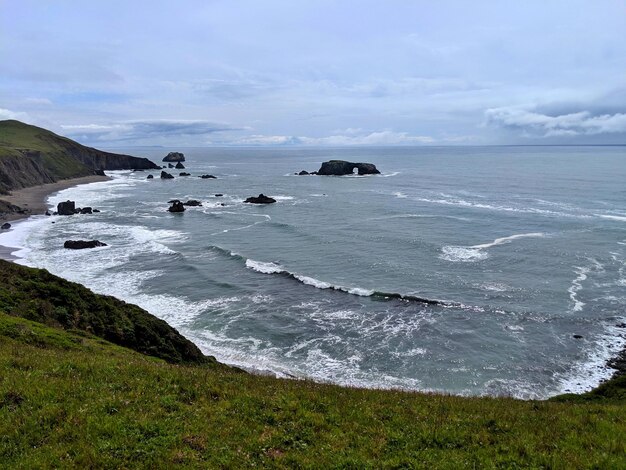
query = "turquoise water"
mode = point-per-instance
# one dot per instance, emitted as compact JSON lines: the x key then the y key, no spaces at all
{"x":525,"y":246}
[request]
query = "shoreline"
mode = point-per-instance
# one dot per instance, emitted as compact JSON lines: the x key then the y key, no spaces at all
{"x":34,"y":200}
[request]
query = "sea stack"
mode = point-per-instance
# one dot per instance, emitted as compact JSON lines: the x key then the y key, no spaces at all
{"x":341,"y":167}
{"x":174,"y":157}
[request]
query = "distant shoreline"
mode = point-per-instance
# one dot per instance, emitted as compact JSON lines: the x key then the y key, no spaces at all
{"x":34,"y":199}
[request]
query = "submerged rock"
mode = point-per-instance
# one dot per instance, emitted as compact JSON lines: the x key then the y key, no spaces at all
{"x":184,"y":174}
{"x":86,"y":210}
{"x":149,"y":177}
{"x":219,"y":195}
{"x":303,"y":173}
{"x":66,"y":208}
{"x":192,"y":203}
{"x":166,"y":176}
{"x":177,"y":206}
{"x":260,"y":199}
{"x":174,"y":157}
{"x":204,"y":177}
{"x":82,"y":244}
{"x":5,"y":226}
{"x":342,"y":167}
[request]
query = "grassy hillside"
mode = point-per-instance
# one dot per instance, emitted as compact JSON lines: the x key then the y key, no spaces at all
{"x":71,"y":399}
{"x":30,"y":155}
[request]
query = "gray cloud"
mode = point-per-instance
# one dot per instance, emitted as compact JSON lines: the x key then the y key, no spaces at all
{"x":579,"y":123}
{"x":140,"y":131}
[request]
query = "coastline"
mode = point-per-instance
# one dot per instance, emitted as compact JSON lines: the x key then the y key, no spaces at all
{"x":34,"y":198}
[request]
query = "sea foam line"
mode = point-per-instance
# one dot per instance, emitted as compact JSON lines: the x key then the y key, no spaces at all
{"x":476,"y":252}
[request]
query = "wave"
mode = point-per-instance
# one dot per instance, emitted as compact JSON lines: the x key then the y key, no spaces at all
{"x":273,"y":268}
{"x":612,"y":217}
{"x":476,"y":252}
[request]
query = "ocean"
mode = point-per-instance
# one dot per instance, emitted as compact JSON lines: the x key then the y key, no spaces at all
{"x":524,"y":248}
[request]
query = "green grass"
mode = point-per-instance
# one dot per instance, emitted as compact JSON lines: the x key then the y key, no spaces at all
{"x":72,"y":399}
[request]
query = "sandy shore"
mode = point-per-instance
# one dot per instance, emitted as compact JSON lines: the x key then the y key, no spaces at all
{"x":34,"y":200}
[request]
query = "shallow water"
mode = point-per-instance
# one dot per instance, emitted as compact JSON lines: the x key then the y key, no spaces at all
{"x":525,"y":247}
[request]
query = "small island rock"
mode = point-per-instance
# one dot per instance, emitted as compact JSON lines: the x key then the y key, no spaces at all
{"x":177,"y":206}
{"x":174,"y":157}
{"x":6,"y":226}
{"x":341,"y":167}
{"x":82,"y":244}
{"x":166,"y":176}
{"x":260,"y":199}
{"x":66,"y":208}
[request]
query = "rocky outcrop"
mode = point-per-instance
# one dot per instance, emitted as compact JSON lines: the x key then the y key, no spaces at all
{"x":174,"y":157}
{"x":82,"y":244}
{"x":184,"y":174}
{"x":303,"y":173}
{"x":206,"y":177}
{"x":86,"y":210}
{"x":341,"y":167}
{"x":260,"y":199}
{"x":166,"y":176}
{"x":177,"y":206}
{"x":179,"y":166}
{"x":5,"y":226}
{"x":66,"y":208}
{"x":149,"y":177}
{"x":192,"y":203}
{"x":169,"y":165}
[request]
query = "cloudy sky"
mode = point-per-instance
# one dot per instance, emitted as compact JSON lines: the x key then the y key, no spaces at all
{"x":300,"y":72}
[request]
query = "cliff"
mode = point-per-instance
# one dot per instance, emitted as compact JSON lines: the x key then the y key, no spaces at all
{"x":31,"y":155}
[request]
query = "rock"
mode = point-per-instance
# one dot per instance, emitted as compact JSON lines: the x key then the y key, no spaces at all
{"x":179,"y":166}
{"x":163,"y":166}
{"x":5,"y":226}
{"x":99,"y":172}
{"x":169,"y":165}
{"x":82,"y":244}
{"x":341,"y":167}
{"x":303,"y":172}
{"x":204,"y":177}
{"x":149,"y":177}
{"x":174,"y":157}
{"x":219,"y":195}
{"x":184,"y":174}
{"x":192,"y":203}
{"x":137,"y":169}
{"x":96,"y":210}
{"x":166,"y":176}
{"x":578,"y":336}
{"x":48,"y":213}
{"x":177,"y":206}
{"x":86,"y":210}
{"x":261,"y":199}
{"x":172,"y":201}
{"x":66,"y":208}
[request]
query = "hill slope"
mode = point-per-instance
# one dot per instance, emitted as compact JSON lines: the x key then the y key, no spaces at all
{"x":70,"y":399}
{"x":31,"y":155}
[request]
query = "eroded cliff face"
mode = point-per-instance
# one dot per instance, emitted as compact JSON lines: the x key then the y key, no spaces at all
{"x":18,"y":171}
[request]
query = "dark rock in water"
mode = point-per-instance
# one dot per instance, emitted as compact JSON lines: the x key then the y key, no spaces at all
{"x":99,"y":172}
{"x":313,"y":173}
{"x":137,"y":169}
{"x":48,"y":213}
{"x":184,"y":174}
{"x":169,"y":165}
{"x":149,"y":177}
{"x":6,"y":226}
{"x":66,"y":208}
{"x":204,"y":177}
{"x":341,"y":167}
{"x":303,"y":172}
{"x":174,"y":157}
{"x":77,"y":210}
{"x":96,"y":210}
{"x":166,"y":176}
{"x":86,"y":210}
{"x":578,"y":336}
{"x":192,"y":203}
{"x":261,"y":199}
{"x":82,"y":244}
{"x":177,"y":206}
{"x":219,"y":195}
{"x":163,"y":166}
{"x":179,"y":166}
{"x":172,"y":201}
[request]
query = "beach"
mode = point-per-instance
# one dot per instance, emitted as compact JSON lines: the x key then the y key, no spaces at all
{"x":34,"y":200}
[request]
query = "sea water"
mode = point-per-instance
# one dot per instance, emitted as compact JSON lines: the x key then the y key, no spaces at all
{"x":523,"y":247}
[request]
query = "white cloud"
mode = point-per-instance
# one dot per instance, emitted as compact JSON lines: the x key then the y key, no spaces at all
{"x":348,"y":137}
{"x":572,"y":124}
{"x":8,"y":114}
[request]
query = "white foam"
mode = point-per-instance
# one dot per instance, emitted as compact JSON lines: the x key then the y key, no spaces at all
{"x":264,"y":267}
{"x":612,"y":217}
{"x":400,"y":195}
{"x":471,"y":254}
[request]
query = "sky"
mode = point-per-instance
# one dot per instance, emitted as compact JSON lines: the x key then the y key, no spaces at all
{"x":316,"y":73}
